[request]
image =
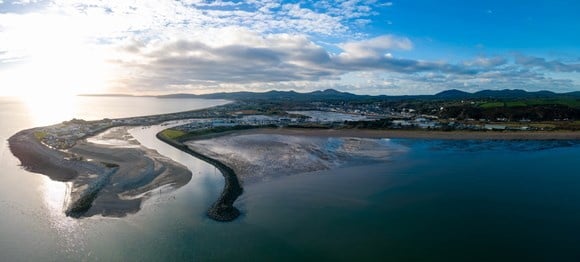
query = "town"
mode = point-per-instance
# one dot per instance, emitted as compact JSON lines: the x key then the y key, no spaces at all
{"x":402,"y":115}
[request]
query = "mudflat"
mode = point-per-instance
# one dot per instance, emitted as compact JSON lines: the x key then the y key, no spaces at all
{"x":257,"y":155}
{"x":421,"y":134}
{"x":108,"y":179}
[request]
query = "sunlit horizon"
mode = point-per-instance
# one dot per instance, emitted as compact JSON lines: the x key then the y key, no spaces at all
{"x":56,"y":47}
{"x":53,"y":58}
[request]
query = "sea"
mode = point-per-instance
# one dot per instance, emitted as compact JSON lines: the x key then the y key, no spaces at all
{"x":436,"y":200}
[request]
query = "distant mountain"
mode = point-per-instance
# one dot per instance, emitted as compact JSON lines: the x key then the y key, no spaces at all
{"x":453,"y":94}
{"x":513,"y":93}
{"x":573,"y":94}
{"x":329,"y":94}
{"x":503,"y":94}
{"x":334,"y":95}
{"x":107,"y":95}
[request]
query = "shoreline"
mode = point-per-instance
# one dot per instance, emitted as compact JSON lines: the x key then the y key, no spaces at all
{"x":106,"y":180}
{"x":419,"y":134}
{"x":223,"y":209}
{"x":37,"y":157}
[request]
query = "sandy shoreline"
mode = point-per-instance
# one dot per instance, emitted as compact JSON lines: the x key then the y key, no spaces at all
{"x":420,"y":134}
{"x":262,"y":153}
{"x":107,"y":180}
{"x":256,"y":156}
{"x":114,"y":177}
{"x":270,"y":158}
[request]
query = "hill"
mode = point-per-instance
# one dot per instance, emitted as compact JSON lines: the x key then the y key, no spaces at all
{"x":334,"y":95}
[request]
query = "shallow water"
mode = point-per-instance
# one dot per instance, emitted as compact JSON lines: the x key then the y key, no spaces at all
{"x":434,"y":201}
{"x":32,"y":223}
{"x":431,"y":204}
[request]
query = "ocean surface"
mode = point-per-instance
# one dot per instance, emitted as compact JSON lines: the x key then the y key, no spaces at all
{"x":435,"y":201}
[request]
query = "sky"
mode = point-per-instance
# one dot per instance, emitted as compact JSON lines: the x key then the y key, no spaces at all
{"x":55,"y":47}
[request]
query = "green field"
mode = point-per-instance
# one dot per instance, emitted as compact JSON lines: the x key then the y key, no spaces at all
{"x":575,"y":103}
{"x":172,"y":133}
{"x":492,"y":105}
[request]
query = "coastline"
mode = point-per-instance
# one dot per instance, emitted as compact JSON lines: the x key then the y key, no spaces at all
{"x":105,"y":180}
{"x":222,"y":210}
{"x":146,"y":171}
{"x":420,"y":134}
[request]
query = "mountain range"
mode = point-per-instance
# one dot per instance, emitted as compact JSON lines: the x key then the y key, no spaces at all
{"x":331,"y":94}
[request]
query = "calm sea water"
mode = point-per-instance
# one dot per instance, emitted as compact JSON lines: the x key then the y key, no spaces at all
{"x":437,"y":201}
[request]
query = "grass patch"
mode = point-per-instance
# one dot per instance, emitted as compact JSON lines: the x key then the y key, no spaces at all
{"x":566,"y":102}
{"x":574,"y":103}
{"x":172,"y":133}
{"x":492,"y":104}
{"x":516,"y":104}
{"x":217,"y":130}
{"x":40,"y":135}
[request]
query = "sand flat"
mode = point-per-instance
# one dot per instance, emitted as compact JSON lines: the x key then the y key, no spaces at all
{"x":421,"y":134}
{"x":258,"y":156}
{"x":108,"y":179}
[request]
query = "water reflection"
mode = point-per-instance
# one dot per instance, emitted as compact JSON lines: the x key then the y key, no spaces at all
{"x":32,"y":222}
{"x":55,"y":109}
{"x":69,"y":230}
{"x":50,"y":110}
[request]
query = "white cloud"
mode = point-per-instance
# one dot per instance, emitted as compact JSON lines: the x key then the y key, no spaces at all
{"x":375,"y":47}
{"x":244,"y":57}
{"x":486,"y":61}
{"x":239,"y":58}
{"x":196,"y":45}
{"x":24,"y":2}
{"x":159,"y":17}
{"x":349,"y":9}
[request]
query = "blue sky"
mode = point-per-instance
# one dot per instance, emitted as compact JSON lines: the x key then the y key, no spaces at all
{"x":539,"y":27}
{"x":359,"y":46}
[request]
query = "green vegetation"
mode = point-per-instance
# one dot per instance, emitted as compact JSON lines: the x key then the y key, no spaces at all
{"x":515,"y":104}
{"x":566,"y":102}
{"x":179,"y":135}
{"x":214,"y":130}
{"x":492,"y":104}
{"x":569,"y":102}
{"x":172,"y":133}
{"x":40,"y":135}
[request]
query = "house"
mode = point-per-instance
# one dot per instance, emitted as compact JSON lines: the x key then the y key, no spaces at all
{"x":494,"y":127}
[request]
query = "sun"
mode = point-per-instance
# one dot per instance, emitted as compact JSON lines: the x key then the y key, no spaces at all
{"x":57,"y":59}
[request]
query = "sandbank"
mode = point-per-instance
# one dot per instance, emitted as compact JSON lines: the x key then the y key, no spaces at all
{"x":107,"y":180}
{"x":420,"y":134}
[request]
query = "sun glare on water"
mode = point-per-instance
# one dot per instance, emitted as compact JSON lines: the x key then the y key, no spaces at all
{"x":55,"y":59}
{"x":50,"y":110}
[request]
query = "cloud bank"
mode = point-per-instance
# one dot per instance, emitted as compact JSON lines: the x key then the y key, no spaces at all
{"x":211,"y":46}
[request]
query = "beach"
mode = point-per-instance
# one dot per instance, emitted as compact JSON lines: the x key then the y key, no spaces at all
{"x":109,"y":174}
{"x":421,"y":134}
{"x":260,"y":154}
{"x":257,"y":155}
{"x":254,"y":155}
